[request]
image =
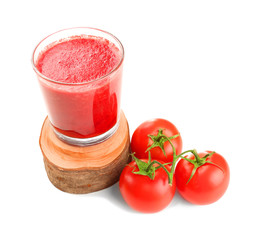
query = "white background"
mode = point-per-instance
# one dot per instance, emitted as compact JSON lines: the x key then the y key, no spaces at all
{"x":198,"y":64}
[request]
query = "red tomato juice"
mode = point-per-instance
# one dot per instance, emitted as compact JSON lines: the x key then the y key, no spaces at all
{"x":81,"y":82}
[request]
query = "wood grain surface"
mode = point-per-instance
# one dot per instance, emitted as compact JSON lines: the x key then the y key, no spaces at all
{"x":87,"y":169}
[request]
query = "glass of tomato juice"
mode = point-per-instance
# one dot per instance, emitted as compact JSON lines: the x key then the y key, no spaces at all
{"x":80,"y":74}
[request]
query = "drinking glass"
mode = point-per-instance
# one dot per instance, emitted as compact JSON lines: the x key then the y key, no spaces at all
{"x":83,"y":113}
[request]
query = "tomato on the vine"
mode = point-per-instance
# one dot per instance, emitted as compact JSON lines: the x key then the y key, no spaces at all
{"x":144,"y":193}
{"x":202,"y":179}
{"x":146,"y":136}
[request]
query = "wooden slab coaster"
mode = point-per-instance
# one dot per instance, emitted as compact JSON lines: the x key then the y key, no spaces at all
{"x":87,"y":169}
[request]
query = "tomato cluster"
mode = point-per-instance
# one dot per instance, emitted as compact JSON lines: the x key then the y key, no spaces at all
{"x":148,"y":183}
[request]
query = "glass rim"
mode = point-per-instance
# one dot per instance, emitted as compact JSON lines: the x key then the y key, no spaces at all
{"x":81,"y":83}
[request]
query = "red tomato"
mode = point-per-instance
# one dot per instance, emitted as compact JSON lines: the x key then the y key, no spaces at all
{"x":140,"y":140}
{"x":144,"y":194}
{"x":209,"y":182}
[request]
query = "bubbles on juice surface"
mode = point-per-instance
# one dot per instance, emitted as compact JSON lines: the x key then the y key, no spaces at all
{"x":79,"y":59}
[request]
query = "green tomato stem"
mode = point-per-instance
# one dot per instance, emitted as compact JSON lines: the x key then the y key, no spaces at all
{"x":175,"y":158}
{"x":197,"y":161}
{"x":165,"y":169}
